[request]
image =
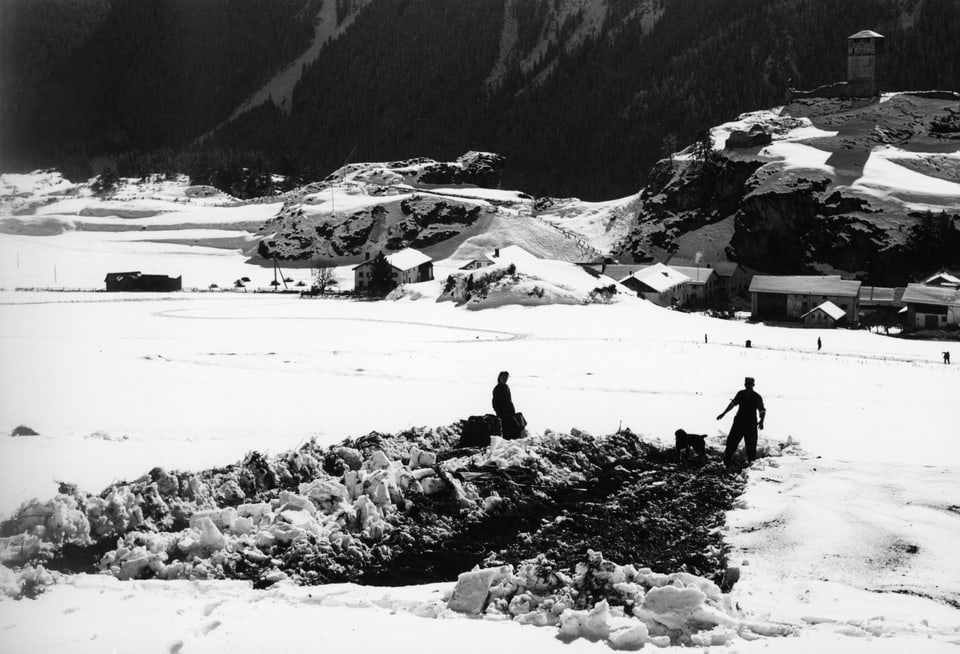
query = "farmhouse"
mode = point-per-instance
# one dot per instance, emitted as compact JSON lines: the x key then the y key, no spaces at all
{"x":931,"y":307}
{"x":408,"y":266}
{"x":733,"y":279}
{"x":790,"y":297}
{"x":824,"y":316}
{"x":659,"y":284}
{"x":137,"y":281}
{"x":703,"y":283}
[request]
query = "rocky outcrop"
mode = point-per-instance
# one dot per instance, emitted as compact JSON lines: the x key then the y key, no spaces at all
{"x":685,"y":195}
{"x":852,"y":186}
{"x":418,"y":220}
{"x":773,"y":218}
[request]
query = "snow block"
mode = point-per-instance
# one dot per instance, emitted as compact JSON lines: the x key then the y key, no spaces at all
{"x":472,"y":589}
{"x":210,"y":537}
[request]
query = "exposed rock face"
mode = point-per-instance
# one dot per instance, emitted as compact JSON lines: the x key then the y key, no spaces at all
{"x":772,"y":221}
{"x":385,"y":211}
{"x":478,"y":168}
{"x":860,"y":187}
{"x":682,"y":196}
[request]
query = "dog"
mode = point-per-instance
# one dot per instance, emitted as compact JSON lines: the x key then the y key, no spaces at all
{"x":687,"y":442}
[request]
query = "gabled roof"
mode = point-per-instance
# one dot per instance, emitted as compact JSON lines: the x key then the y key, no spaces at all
{"x":404,"y":259}
{"x":619,"y":271}
{"x":408,"y":258}
{"x":697,"y":274}
{"x":511,"y":254}
{"x":828,"y":308}
{"x":726,"y":268}
{"x":939,"y":295}
{"x":660,"y":277}
{"x":942,"y":279}
{"x":866,"y":34}
{"x":802,"y":284}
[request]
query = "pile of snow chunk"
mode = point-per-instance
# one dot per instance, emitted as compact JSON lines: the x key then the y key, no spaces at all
{"x":624,"y":606}
{"x":28,"y":581}
{"x":411,"y":507}
{"x":340,"y":517}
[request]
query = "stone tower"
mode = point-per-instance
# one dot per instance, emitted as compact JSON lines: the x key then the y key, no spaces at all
{"x":863,"y":48}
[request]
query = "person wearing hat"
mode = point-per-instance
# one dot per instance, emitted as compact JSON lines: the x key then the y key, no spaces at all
{"x":745,"y":423}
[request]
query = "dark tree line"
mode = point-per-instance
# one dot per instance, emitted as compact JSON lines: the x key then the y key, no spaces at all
{"x":143,"y":79}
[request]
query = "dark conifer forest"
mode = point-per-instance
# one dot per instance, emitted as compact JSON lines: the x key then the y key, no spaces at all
{"x":138,"y":81}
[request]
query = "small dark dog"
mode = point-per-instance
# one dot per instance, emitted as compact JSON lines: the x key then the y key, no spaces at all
{"x":687,"y":442}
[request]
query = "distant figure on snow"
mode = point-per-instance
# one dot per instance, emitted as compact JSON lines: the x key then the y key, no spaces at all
{"x":705,"y":338}
{"x":745,"y":423}
{"x":503,"y":407}
{"x":946,"y":357}
{"x":749,"y":343}
{"x":819,"y":344}
{"x":686,"y":442}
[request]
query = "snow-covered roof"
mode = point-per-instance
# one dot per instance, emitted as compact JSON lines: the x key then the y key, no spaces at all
{"x":941,"y":279}
{"x":618,"y":271}
{"x":941,"y":295}
{"x":510,"y":254}
{"x":660,"y":277}
{"x":866,"y":34}
{"x":697,"y":274}
{"x":802,"y":284}
{"x":404,"y":259}
{"x":828,"y":308}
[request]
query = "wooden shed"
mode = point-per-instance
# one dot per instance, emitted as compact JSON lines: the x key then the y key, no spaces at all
{"x":137,"y":281}
{"x":824,"y":316}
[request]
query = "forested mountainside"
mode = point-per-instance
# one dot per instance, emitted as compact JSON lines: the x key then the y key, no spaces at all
{"x":84,"y":78}
{"x":581,"y":96}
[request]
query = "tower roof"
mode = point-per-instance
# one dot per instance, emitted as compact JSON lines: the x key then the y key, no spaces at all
{"x":866,"y":34}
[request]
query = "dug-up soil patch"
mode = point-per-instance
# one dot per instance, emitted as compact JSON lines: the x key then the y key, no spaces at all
{"x":390,"y":509}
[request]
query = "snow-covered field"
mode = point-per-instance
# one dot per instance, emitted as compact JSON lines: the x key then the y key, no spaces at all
{"x":850,"y":544}
{"x":118,"y":384}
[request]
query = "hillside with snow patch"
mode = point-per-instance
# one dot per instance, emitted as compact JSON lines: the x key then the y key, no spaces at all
{"x":855,"y":186}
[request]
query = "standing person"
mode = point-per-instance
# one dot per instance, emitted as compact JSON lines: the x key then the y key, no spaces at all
{"x":946,"y":357}
{"x":503,"y":407}
{"x":745,"y":423}
{"x":819,"y":344}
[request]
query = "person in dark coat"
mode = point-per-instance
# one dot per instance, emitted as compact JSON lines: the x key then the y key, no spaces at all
{"x":745,"y":423}
{"x":503,"y":407}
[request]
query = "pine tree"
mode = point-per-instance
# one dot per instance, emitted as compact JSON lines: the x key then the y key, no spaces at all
{"x":381,"y":276}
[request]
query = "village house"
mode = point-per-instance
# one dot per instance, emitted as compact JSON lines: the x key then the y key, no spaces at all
{"x":733,"y":280}
{"x":823,"y":316}
{"x":408,"y":266}
{"x":790,"y":297}
{"x":137,"y":281}
{"x":703,"y":283}
{"x":658,"y":283}
{"x":931,"y":307}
